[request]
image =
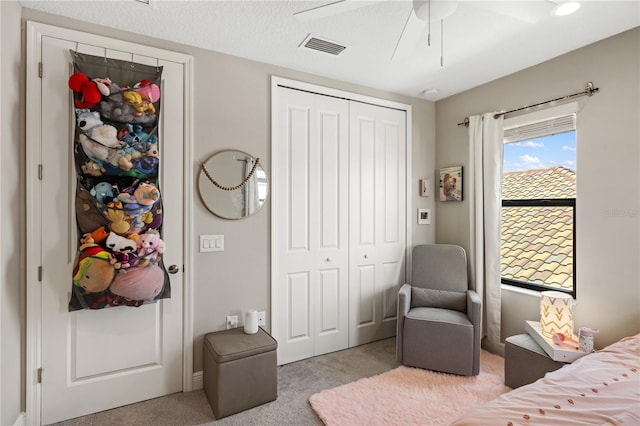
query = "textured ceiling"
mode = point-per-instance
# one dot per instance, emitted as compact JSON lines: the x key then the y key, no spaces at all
{"x":482,"y":40}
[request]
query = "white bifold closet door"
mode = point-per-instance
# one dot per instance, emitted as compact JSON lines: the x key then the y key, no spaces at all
{"x":377,"y":220}
{"x":311,"y":245}
{"x":338,"y":211}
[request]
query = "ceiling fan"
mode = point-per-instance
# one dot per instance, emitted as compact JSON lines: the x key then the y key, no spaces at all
{"x":424,"y":14}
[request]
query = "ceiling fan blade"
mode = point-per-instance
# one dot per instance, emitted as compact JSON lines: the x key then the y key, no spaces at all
{"x":335,"y":8}
{"x":411,"y":33}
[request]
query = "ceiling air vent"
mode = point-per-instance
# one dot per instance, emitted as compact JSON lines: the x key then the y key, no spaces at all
{"x":322,"y":45}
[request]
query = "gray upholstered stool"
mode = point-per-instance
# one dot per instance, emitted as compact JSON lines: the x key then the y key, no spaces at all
{"x":239,"y":370}
{"x":525,"y":361}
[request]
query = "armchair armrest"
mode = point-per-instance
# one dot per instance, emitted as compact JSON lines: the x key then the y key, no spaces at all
{"x":404,"y":304}
{"x":474,"y":307}
{"x":474,"y":313}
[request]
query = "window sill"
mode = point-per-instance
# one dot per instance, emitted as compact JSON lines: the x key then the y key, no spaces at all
{"x":520,"y":290}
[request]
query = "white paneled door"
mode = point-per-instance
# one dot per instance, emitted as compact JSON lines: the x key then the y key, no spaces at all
{"x":93,"y":360}
{"x":339,"y":221}
{"x":377,"y":220}
{"x":310,"y":168}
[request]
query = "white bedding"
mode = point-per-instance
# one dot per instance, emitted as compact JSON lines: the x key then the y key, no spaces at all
{"x":602,"y":388}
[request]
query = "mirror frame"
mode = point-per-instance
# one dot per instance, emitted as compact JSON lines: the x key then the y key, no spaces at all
{"x":202,"y":177}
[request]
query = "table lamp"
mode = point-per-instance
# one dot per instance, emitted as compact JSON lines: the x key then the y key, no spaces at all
{"x":556,"y":313}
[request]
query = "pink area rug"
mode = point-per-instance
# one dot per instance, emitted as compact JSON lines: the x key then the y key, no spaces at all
{"x":410,"y":396}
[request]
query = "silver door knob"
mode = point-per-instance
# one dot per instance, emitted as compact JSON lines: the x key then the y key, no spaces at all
{"x":366,"y":257}
{"x":328,"y":259}
{"x":173,"y":269}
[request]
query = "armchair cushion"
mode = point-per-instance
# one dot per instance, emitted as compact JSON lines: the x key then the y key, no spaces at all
{"x":432,"y":298}
{"x":440,"y":339}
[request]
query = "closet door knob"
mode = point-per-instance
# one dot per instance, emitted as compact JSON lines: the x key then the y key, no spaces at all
{"x":328,"y":259}
{"x":366,"y":256}
{"x":173,"y":269}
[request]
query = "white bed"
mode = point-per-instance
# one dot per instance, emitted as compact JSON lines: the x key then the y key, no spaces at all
{"x":602,"y":388}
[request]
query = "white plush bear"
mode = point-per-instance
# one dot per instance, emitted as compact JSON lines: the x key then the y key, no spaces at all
{"x":100,"y":141}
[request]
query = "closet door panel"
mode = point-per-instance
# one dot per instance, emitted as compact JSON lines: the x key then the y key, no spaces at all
{"x":393,"y":273}
{"x":377,"y":218}
{"x":310,"y":201}
{"x":329,"y":300}
{"x":331,"y":202}
{"x":294,"y":278}
{"x":298,"y":294}
{"x":391,"y":183}
{"x":363,"y":286}
{"x":298,"y":177}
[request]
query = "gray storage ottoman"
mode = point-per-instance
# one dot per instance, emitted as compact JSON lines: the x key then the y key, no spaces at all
{"x":239,"y":370}
{"x":525,"y":361}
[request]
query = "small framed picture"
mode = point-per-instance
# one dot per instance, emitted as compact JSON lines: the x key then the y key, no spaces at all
{"x":451,"y":184}
{"x":424,"y":216}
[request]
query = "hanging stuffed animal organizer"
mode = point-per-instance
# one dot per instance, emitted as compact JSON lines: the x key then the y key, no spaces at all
{"x":118,"y":201}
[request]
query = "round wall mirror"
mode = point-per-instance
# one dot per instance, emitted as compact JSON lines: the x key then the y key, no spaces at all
{"x":232,"y":184}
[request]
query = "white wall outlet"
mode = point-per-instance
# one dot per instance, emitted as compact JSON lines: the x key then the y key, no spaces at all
{"x":261,"y":320}
{"x":232,"y":321}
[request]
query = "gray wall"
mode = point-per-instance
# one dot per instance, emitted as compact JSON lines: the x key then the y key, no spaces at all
{"x":608,"y":178}
{"x":231,"y":110}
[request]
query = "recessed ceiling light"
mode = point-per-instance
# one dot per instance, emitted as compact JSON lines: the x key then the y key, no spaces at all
{"x":565,"y":8}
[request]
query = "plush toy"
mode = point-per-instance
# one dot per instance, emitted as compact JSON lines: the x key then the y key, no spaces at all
{"x":139,"y":104}
{"x":88,"y":90}
{"x":92,"y":168}
{"x":118,"y":221}
{"x":103,"y":85}
{"x":95,"y":237}
{"x":114,"y":108}
{"x":123,"y":250}
{"x":150,"y":246}
{"x":135,"y":137}
{"x":99,"y":141}
{"x":147,"y":217}
{"x":148,"y":164}
{"x":103,"y":192}
{"x":156,"y":221}
{"x":147,"y":194}
{"x":139,"y":283}
{"x":92,"y":270}
{"x":148,"y":91}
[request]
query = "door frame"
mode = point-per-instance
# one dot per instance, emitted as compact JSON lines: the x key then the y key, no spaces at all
{"x":327,"y":91}
{"x":33,"y":140}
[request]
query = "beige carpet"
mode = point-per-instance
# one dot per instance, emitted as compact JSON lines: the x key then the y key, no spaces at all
{"x":410,"y":396}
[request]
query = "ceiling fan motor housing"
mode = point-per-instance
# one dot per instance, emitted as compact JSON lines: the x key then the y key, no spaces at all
{"x":434,"y":10}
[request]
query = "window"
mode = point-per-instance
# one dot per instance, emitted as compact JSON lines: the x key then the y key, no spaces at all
{"x":538,"y":204}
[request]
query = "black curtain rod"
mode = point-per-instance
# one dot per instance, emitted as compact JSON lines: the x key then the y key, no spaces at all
{"x":589,"y":90}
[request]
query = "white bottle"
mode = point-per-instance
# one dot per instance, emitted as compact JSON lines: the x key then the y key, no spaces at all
{"x":251,"y":322}
{"x":586,"y":338}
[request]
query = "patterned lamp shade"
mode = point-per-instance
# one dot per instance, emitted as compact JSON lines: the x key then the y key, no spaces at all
{"x":556,"y":313}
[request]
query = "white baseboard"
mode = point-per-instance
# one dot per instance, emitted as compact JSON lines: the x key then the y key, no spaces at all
{"x":198,"y":382}
{"x":20,"y":420}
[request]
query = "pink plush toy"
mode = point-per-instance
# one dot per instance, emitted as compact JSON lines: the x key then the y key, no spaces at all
{"x":148,"y":91}
{"x":150,"y":245}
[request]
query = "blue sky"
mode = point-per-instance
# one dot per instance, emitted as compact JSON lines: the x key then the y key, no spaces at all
{"x":541,"y":153}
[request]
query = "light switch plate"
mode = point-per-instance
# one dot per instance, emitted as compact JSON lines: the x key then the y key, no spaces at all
{"x":211,"y":243}
{"x":425,"y":184}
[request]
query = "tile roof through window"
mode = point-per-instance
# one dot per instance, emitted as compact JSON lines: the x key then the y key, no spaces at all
{"x":537,"y":242}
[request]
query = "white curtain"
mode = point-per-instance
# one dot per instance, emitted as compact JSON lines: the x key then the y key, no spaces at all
{"x":485,"y":163}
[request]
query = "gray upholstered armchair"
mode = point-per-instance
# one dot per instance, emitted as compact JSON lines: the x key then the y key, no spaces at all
{"x":438,"y":315}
